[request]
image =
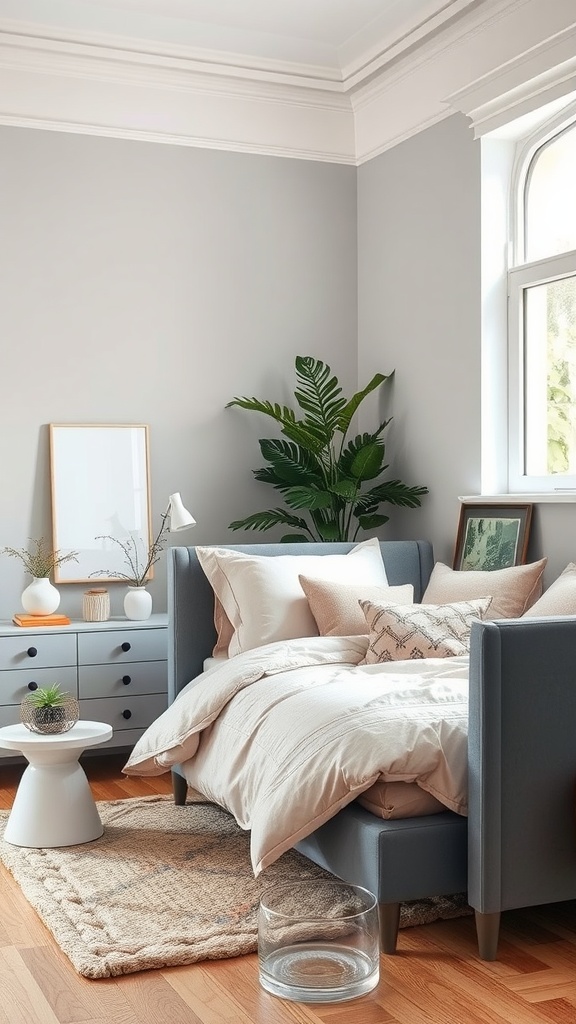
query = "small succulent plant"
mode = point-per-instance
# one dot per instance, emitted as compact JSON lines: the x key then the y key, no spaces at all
{"x":48,"y":697}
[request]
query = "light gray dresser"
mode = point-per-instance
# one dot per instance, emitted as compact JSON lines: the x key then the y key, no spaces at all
{"x":117,"y":670}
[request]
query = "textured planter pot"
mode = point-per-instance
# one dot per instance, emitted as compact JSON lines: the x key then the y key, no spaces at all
{"x":50,"y":719}
{"x":40,"y":597}
{"x":137,"y":603}
{"x":96,"y":605}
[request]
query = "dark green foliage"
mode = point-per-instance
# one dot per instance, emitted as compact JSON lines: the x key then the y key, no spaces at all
{"x":319,"y":471}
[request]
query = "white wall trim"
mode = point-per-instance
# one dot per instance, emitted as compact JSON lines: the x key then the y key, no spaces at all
{"x":529,"y":81}
{"x":489,"y":59}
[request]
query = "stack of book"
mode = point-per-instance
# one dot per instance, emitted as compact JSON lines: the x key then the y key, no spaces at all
{"x":40,"y":620}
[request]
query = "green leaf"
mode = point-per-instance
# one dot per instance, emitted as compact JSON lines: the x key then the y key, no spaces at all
{"x":291,"y":462}
{"x":356,"y":400}
{"x":358,"y":444}
{"x":266,"y":520}
{"x":329,"y":531}
{"x":294,"y":538}
{"x":308,"y":497}
{"x":372,"y":522}
{"x":304,"y":436}
{"x":346,"y":489}
{"x":396,"y":493}
{"x":367,"y":463}
{"x":280,"y":413}
{"x":319,"y":395}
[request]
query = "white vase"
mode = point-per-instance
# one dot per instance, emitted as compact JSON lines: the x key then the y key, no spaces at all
{"x":40,"y":597}
{"x":137,"y":603}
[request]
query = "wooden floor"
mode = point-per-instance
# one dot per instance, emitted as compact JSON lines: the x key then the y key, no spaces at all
{"x":435,"y":978}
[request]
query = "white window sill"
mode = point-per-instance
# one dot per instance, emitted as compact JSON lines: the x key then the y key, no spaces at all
{"x":518,"y":499}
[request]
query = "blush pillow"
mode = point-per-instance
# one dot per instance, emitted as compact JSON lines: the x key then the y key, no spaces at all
{"x":336,"y":608}
{"x":560,"y":598}
{"x":261,"y":595}
{"x":414,"y":631}
{"x":513,"y":590}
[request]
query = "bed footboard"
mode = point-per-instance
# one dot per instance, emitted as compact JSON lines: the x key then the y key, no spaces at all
{"x":522,"y":767}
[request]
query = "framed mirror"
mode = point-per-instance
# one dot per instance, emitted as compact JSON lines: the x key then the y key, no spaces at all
{"x":100,"y":489}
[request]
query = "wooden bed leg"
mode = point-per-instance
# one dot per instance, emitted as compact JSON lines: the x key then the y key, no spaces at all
{"x":179,"y":789}
{"x":389,"y":914}
{"x":487,"y":932}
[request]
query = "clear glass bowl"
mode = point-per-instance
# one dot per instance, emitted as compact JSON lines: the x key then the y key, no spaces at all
{"x":318,"y":941}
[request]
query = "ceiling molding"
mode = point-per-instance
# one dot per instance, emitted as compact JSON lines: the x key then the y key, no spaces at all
{"x":531,"y":80}
{"x":481,"y":57}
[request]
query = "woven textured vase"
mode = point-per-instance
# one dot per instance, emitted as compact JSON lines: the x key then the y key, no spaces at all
{"x":49,"y":720}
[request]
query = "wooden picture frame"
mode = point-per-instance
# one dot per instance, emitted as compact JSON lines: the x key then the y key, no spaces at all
{"x":492,"y":536}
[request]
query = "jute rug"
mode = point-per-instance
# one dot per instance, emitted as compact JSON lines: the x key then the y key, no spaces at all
{"x":163,"y":886}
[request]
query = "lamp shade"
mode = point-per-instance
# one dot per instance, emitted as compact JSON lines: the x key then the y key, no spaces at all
{"x":180,"y":518}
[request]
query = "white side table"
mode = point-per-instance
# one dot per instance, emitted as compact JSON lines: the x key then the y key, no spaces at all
{"x":53,"y":805}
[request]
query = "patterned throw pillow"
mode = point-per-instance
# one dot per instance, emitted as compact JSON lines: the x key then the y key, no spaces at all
{"x":401,"y":632}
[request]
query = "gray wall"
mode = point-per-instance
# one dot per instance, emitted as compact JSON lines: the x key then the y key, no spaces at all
{"x":419,"y":308}
{"x":420,"y":311}
{"x":151,"y":284}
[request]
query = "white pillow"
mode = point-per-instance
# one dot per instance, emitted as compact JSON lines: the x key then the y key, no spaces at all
{"x":261,"y":594}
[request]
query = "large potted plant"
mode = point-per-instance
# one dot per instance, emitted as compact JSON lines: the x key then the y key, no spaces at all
{"x":317,"y":469}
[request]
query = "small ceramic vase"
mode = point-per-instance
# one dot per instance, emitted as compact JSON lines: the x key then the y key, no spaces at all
{"x":137,"y":603}
{"x":40,"y":597}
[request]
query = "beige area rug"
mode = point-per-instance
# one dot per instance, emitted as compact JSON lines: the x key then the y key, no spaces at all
{"x":163,"y":886}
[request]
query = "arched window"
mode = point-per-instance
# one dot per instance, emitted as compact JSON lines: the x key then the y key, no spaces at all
{"x":542,"y":317}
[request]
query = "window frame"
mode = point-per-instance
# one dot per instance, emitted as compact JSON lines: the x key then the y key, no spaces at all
{"x":522,"y":275}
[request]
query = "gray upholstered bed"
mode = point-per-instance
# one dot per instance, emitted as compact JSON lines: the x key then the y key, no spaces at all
{"x":518,"y":845}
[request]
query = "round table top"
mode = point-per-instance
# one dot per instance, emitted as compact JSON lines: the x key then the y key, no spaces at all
{"x":82,"y":734}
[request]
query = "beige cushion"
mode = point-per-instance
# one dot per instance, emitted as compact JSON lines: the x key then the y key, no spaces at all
{"x":414,"y":631}
{"x":261,"y":594}
{"x":560,"y":598}
{"x":512,"y":590}
{"x":399,"y":800}
{"x":335,"y":606}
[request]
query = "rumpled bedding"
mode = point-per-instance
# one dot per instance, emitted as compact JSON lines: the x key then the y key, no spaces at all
{"x":286,"y":735}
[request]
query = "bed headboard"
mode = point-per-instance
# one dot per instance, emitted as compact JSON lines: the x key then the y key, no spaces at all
{"x":191,"y":633}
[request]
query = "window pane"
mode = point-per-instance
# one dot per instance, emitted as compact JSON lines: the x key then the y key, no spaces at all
{"x":551,"y":198}
{"x":550,"y":378}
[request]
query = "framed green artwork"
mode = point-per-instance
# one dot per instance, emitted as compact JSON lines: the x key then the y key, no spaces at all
{"x":492,"y":536}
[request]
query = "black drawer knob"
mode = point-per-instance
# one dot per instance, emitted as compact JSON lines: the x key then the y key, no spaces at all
{"x":32,"y":686}
{"x":126,"y":714}
{"x":126,"y":680}
{"x":126,"y":646}
{"x":32,"y":652}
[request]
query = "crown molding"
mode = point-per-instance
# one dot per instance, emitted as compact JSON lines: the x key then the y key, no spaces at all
{"x":488,"y":59}
{"x":532,"y":80}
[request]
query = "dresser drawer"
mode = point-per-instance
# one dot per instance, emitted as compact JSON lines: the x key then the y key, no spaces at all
{"x":125,"y":712}
{"x":38,"y":650}
{"x":9,"y":716}
{"x":122,"y":645}
{"x":123,"y":680}
{"x":15,"y":685}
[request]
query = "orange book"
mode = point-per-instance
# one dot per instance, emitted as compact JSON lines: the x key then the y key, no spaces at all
{"x":41,"y":620}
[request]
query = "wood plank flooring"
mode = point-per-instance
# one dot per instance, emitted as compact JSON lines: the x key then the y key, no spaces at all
{"x":435,"y":978}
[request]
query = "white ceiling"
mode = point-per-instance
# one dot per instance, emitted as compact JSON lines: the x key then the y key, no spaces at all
{"x":336,"y":38}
